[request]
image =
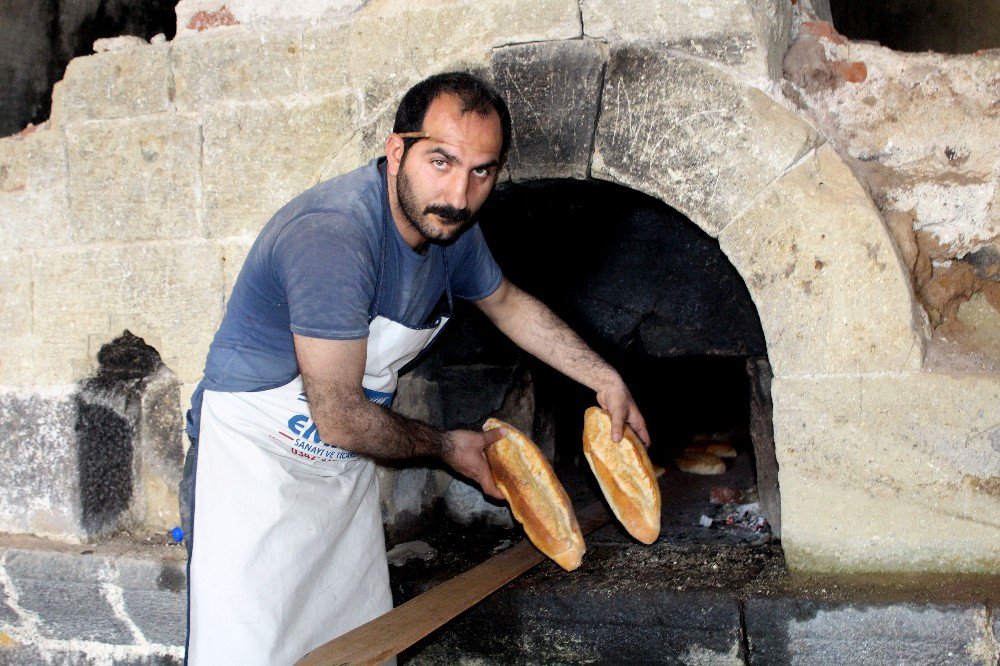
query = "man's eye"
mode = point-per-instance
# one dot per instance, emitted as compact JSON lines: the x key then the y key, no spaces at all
{"x":439,"y":164}
{"x":481,"y":172}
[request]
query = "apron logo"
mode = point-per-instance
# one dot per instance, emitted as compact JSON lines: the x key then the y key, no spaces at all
{"x":303,"y":426}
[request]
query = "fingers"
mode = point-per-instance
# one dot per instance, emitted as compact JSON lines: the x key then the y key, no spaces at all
{"x":493,"y":435}
{"x":638,"y":424}
{"x":617,"y":423}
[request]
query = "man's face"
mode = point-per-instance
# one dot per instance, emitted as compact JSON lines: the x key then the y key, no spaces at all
{"x":444,"y":179}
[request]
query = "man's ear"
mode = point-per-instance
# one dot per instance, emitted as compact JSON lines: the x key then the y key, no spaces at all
{"x":394,"y":149}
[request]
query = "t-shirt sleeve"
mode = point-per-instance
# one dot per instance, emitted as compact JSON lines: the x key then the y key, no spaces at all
{"x":474,"y":273}
{"x":325,"y":267}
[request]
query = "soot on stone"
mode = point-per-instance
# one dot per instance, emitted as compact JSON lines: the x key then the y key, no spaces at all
{"x":108,"y":411}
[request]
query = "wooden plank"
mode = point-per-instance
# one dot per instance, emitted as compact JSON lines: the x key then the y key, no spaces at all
{"x":390,"y":634}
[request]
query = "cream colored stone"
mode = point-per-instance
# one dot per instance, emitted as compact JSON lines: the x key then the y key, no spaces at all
{"x":692,"y":135}
{"x":236,"y":65}
{"x":16,"y":358}
{"x":169,"y":294}
{"x":889,"y":472}
{"x":134,"y":180}
{"x":365,"y":144}
{"x":257,"y":157}
{"x":982,"y":325}
{"x":831,"y":291}
{"x":115,"y":84}
{"x":33,"y":191}
{"x":391,"y":44}
{"x":751,"y":35}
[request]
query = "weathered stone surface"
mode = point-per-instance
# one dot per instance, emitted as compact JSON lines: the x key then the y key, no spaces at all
{"x":39,"y":478}
{"x":235,"y":65}
{"x":154,"y":596}
{"x":416,"y":41}
{"x":116,"y":84}
{"x":168,"y":294}
{"x":789,"y":631}
{"x":889,"y":471}
{"x":259,"y":156}
{"x":553,"y":123}
{"x":829,"y":285}
{"x":981,"y":322}
{"x":752,"y":36}
{"x":57,"y":586}
{"x":762,"y":434}
{"x":134,"y":180}
{"x":196,"y":16}
{"x":691,"y":135}
{"x":922,"y":127}
{"x":159,"y":452}
{"x":16,"y":357}
{"x":465,"y":504}
{"x":33,"y":191}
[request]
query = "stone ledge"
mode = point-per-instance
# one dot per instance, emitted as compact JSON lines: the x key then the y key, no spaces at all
{"x":119,"y":602}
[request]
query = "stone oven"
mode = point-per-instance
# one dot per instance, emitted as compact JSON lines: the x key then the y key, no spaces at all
{"x":730,"y":180}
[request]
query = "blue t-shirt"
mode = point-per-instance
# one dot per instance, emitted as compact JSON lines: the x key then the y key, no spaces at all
{"x":324,"y":266}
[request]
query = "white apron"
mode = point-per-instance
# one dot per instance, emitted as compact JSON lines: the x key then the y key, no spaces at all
{"x":289,"y":550}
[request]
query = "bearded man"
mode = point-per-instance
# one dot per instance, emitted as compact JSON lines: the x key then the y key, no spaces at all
{"x":346,"y":284}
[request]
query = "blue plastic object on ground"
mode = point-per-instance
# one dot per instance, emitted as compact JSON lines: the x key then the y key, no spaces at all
{"x":177,"y":534}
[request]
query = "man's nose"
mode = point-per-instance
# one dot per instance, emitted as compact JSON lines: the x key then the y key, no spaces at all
{"x":457,"y":194}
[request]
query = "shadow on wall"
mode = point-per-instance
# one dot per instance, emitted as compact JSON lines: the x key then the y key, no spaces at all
{"x":946,"y":26}
{"x":38,"y":38}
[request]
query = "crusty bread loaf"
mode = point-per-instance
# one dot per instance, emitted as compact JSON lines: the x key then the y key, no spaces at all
{"x":625,"y":474}
{"x":699,"y":463}
{"x":537,"y":499}
{"x":720,"y":449}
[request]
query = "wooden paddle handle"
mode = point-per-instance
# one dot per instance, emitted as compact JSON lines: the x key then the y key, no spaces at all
{"x":393,"y":632}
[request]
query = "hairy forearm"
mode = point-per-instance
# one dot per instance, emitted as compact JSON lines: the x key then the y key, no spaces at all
{"x":531,"y":325}
{"x":348,"y":420}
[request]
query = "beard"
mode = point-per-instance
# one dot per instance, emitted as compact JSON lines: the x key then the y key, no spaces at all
{"x":454,"y":220}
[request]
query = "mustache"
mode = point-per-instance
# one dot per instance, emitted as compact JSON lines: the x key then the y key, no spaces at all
{"x":449,"y":213}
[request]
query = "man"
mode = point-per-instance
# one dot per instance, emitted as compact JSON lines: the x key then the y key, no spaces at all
{"x":345,"y":285}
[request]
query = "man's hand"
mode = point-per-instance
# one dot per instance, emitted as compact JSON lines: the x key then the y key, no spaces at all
{"x":615,"y":398}
{"x":466,"y":454}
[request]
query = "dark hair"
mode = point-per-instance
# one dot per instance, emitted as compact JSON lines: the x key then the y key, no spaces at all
{"x":477,"y":96}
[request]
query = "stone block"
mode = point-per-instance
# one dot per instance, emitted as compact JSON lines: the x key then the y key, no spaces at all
{"x":465,"y":504}
{"x":415,"y":41}
{"x":235,"y":65}
{"x":154,"y":597}
{"x":751,"y":36}
{"x":160,"y":456}
{"x":889,"y":472}
{"x":259,"y":156}
{"x":691,"y":135}
{"x":16,"y":358}
{"x":553,"y":123}
{"x":133,"y":180}
{"x":115,"y":84}
{"x":168,"y":294}
{"x":795,"y":631}
{"x":34,"y":201}
{"x":39,"y":475}
{"x":57,"y":586}
{"x":830,"y":288}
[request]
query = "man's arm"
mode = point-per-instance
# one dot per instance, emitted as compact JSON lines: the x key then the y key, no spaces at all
{"x":537,"y":330}
{"x":332,"y":371}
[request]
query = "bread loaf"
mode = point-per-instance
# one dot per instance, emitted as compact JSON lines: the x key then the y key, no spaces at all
{"x":700,"y":463}
{"x":625,"y":474}
{"x":537,"y":499}
{"x":720,"y":449}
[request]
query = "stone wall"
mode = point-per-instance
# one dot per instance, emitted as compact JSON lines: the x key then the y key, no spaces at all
{"x":134,"y":206}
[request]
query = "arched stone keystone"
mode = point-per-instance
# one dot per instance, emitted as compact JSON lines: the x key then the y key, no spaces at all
{"x":691,"y":135}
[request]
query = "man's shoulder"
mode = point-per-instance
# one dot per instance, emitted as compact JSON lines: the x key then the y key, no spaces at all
{"x":357,"y":193}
